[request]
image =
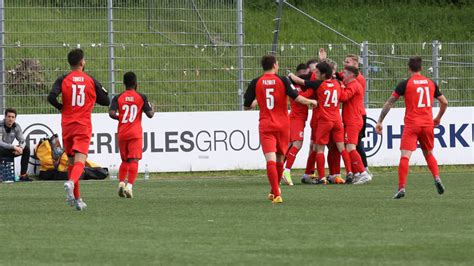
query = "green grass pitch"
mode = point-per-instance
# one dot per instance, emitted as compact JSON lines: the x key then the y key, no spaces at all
{"x":209,"y":221}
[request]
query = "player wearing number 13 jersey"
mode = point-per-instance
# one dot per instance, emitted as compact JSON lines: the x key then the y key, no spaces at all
{"x":419,"y":93}
{"x":127,"y":108}
{"x":270,"y":92}
{"x":79,"y":94}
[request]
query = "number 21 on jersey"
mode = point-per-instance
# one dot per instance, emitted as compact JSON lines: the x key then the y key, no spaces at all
{"x":424,"y":92}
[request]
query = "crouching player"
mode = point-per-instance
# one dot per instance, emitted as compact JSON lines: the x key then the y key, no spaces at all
{"x":271,"y":92}
{"x":298,"y":117}
{"x":127,"y":108}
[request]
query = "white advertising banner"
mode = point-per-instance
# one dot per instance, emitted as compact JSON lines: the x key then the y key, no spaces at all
{"x":201,"y":141}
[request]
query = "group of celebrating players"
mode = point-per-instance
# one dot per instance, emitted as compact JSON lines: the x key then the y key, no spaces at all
{"x":318,"y":85}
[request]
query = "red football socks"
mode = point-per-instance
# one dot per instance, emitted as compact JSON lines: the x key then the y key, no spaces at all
{"x":76,"y":172}
{"x":320,"y":164}
{"x":291,"y":156}
{"x":74,"y":176}
{"x":347,"y":161}
{"x":402,"y":172}
{"x":132,"y":171}
{"x":272,"y":175}
{"x":279,"y":167}
{"x":123,"y":171}
{"x":357,"y":165}
{"x":310,"y":162}
{"x":432,"y":165}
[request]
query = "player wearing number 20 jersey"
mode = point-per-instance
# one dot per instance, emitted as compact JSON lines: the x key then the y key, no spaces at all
{"x":127,"y":108}
{"x":270,"y":92}
{"x":419,"y":93}
{"x":79,"y":94}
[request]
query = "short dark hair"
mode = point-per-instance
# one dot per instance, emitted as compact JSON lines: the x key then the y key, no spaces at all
{"x":325,"y":69}
{"x":74,"y":57}
{"x":130,"y":80}
{"x":301,"y":66}
{"x":268,"y":61}
{"x":10,"y":110}
{"x":312,"y":61}
{"x":352,"y":69}
{"x":414,"y":63}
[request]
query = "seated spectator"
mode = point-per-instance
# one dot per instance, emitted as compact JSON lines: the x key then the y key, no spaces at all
{"x":9,"y":131}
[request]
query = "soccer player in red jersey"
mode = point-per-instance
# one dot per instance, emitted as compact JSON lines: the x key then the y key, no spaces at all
{"x":330,"y":126}
{"x":127,"y":108}
{"x":419,"y":93}
{"x":298,"y":117}
{"x":271,"y":92}
{"x":79,"y":94}
{"x":352,"y":99}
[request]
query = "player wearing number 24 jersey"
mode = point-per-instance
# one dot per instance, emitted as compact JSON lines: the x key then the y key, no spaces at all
{"x":127,"y":108}
{"x":271,"y":91}
{"x":79,"y":94}
{"x":419,"y":93}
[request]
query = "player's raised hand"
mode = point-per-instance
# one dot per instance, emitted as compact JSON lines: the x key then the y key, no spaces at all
{"x":322,"y":54}
{"x":378,"y":128}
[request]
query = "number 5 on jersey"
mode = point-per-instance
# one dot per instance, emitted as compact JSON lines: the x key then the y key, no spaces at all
{"x":270,"y":98}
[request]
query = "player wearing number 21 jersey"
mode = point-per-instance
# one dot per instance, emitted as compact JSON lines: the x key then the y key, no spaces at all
{"x":419,"y":93}
{"x":127,"y":108}
{"x":79,"y":94}
{"x":270,"y":92}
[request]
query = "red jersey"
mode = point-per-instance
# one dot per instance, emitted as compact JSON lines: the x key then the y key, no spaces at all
{"x":363,"y":83}
{"x":271,"y":90}
{"x":328,"y":95}
{"x":352,"y":98}
{"x":130,"y":105}
{"x":419,"y":93}
{"x":299,"y":111}
{"x":314,"y":116}
{"x":79,"y":94}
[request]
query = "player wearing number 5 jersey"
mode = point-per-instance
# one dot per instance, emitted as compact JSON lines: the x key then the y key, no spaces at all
{"x":127,"y":108}
{"x":79,"y":94}
{"x":419,"y":93}
{"x":271,"y":92}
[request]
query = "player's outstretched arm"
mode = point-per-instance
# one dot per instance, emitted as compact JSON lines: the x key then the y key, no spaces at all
{"x":305,"y":101}
{"x":386,"y":108}
{"x":55,"y":91}
{"x":442,"y":109}
{"x":294,"y":78}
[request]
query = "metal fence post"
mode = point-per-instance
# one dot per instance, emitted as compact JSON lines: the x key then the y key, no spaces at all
{"x":240,"y":52}
{"x":277,"y":26}
{"x":110,"y":27}
{"x":2,"y":56}
{"x":365,"y":71}
{"x":435,"y":59}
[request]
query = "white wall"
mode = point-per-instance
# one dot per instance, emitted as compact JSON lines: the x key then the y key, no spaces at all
{"x":229,"y":140}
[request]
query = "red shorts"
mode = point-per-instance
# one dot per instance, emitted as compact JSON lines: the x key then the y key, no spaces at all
{"x":297,"y":129}
{"x":275,"y":141}
{"x":329,"y":130}
{"x":130,"y":148}
{"x":412,"y":135}
{"x":76,"y":143}
{"x":351,"y":134}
